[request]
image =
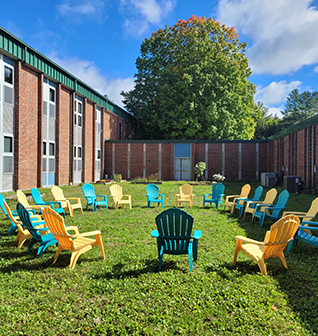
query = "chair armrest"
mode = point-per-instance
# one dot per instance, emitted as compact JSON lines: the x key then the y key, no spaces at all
{"x":103,"y":196}
{"x":207,"y":195}
{"x":72,"y":228}
{"x":197,"y":234}
{"x":91,"y":233}
{"x":285,"y":213}
{"x":310,"y":223}
{"x":154,"y":234}
{"x":74,"y":198}
{"x":231,"y":196}
{"x":40,"y":223}
{"x":303,"y":227}
{"x":258,"y":206}
{"x":43,"y":229}
{"x":129,"y":196}
{"x":248,"y":240}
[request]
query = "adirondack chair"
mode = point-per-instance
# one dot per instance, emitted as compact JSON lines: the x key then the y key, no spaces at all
{"x":273,"y":210}
{"x":24,"y":201}
{"x":269,"y":199}
{"x":231,"y":200}
{"x":77,"y":244}
{"x":23,"y":234}
{"x":58,"y":195}
{"x":153,"y":195}
{"x":280,"y":234}
{"x":118,"y":197}
{"x":185,"y":195}
{"x":216,"y":196}
{"x":306,"y":216}
{"x":241,"y":203}
{"x":45,"y":240}
{"x":89,"y":194}
{"x":14,"y":213}
{"x":174,"y":228}
{"x":305,"y":235}
{"x":37,"y":198}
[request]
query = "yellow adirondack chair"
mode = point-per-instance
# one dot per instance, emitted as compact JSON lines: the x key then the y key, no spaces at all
{"x":306,"y":216}
{"x":58,"y":195}
{"x":230,"y":200}
{"x":273,"y":245}
{"x":116,"y":192}
{"x":269,"y":200}
{"x":185,"y":195}
{"x":23,"y":234}
{"x":23,"y":200}
{"x":77,"y":244}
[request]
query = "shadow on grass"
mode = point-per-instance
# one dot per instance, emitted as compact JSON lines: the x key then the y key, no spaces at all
{"x":120,"y":271}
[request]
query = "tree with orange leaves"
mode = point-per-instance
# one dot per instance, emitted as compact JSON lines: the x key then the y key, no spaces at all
{"x":192,"y":83}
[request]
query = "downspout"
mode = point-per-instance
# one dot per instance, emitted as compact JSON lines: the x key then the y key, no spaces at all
{"x":71,"y":141}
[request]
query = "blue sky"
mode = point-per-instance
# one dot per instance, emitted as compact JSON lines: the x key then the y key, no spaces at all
{"x":99,"y":40}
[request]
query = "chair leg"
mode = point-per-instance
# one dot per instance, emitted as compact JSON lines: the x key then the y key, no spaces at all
{"x":59,"y":249}
{"x":282,"y":258}
{"x":74,"y":258}
{"x":33,"y":241}
{"x":100,"y":244}
{"x":195,"y":249}
{"x":262,"y":266}
{"x":237,"y":250}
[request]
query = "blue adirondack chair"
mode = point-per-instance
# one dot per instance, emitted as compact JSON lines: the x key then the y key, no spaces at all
{"x":304,"y":234}
{"x":174,"y":235}
{"x":89,"y":194}
{"x":44,"y":241}
{"x":153,"y":195}
{"x":37,"y":198}
{"x":216,"y":196}
{"x":241,"y":202}
{"x":261,"y":210}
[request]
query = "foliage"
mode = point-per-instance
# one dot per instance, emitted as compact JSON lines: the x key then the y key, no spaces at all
{"x":199,"y":169}
{"x":218,"y":177}
{"x":150,"y":178}
{"x":118,"y":177}
{"x":299,"y":107}
{"x":125,"y":294}
{"x":266,"y":124}
{"x":192,"y":84}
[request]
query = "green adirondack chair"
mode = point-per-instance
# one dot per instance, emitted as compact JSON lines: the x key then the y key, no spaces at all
{"x":174,"y":235}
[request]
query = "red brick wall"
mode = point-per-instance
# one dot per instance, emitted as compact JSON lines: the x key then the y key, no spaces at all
{"x":26,"y":126}
{"x":88,"y":141}
{"x":62,"y":176}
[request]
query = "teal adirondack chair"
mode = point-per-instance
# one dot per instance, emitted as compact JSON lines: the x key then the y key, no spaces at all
{"x":241,"y":202}
{"x":153,"y":195}
{"x":174,"y":235}
{"x":44,"y":241}
{"x":304,"y":234}
{"x":37,"y":198}
{"x":261,"y":210}
{"x":216,"y":196}
{"x":89,"y":194}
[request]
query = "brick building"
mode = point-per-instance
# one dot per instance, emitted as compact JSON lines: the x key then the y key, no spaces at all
{"x":53,"y":125}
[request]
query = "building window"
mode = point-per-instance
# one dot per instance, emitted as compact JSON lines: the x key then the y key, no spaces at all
{"x":44,"y":148}
{"x":8,"y":75}
{"x":52,"y":95}
{"x":79,"y":152}
{"x":98,"y":154}
{"x":8,"y":141}
{"x":51,"y":149}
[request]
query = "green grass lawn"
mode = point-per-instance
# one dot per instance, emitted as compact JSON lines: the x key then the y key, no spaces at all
{"x":125,"y":294}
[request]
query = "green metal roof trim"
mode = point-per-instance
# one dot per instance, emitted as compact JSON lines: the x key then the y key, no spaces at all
{"x":295,"y":128}
{"x":17,"y":48}
{"x":186,"y":141}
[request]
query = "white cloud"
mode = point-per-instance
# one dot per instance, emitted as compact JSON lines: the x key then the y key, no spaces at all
{"x":276,"y":92}
{"x":276,"y":111}
{"x":283,"y":32}
{"x":90,"y":74}
{"x":79,"y":8}
{"x":141,"y":14}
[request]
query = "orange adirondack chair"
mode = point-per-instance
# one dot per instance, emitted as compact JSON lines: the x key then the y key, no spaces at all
{"x":230,"y":200}
{"x":185,"y":195}
{"x":77,"y":244}
{"x":118,"y":197}
{"x":58,"y":195}
{"x":273,"y":245}
{"x":269,"y":200}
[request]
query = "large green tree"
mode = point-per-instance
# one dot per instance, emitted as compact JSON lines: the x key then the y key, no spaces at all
{"x":192,"y":83}
{"x":299,"y":107}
